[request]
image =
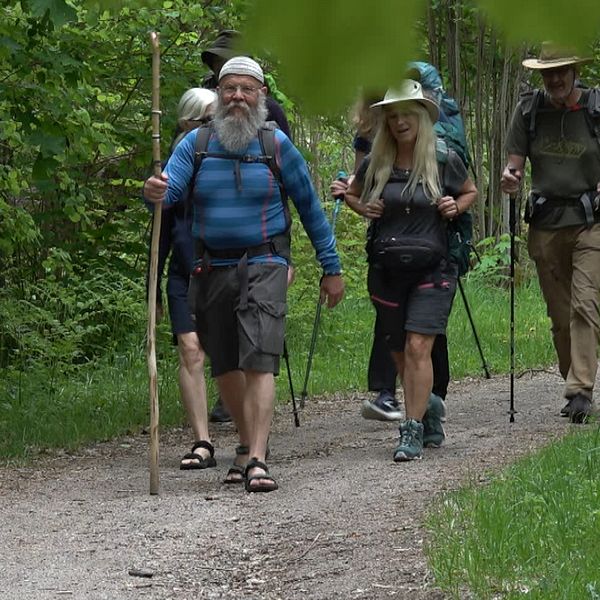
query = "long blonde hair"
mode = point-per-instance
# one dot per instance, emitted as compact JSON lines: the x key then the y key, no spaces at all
{"x":383,"y":156}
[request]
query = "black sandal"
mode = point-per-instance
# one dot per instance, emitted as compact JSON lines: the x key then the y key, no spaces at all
{"x":236,"y":473}
{"x":199,"y":461}
{"x":271,"y":484}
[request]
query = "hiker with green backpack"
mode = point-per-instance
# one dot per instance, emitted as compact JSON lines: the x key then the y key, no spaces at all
{"x":558,"y":129}
{"x":241,"y":228}
{"x":382,"y":372}
{"x":410,"y":194}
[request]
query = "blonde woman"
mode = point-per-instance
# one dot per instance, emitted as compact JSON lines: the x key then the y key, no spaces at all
{"x":411,"y":192}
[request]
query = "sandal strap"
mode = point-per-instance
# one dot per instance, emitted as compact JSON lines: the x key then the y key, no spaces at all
{"x":206,"y":445}
{"x":254,"y":463}
{"x":192,"y":456}
{"x":236,"y":470}
{"x":241,"y":450}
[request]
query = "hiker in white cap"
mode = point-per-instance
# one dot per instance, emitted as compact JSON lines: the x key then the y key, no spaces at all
{"x":241,"y":179}
{"x":410,"y":193}
{"x":558,"y":129}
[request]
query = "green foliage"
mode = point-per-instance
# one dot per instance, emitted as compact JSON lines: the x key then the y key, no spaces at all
{"x":495,"y":259}
{"x":74,"y":147}
{"x":54,"y":325}
{"x":57,"y":11}
{"x":532,"y":532}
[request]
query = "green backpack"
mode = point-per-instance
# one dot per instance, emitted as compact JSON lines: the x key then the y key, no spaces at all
{"x":460,"y":230}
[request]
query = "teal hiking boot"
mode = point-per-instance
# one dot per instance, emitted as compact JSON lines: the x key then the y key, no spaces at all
{"x":410,"y":445}
{"x":433,"y":430}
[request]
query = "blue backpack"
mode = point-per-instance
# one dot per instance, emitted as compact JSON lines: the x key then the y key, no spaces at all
{"x":450,"y":126}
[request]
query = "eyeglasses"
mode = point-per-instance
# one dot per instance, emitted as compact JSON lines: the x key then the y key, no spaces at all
{"x":247,"y":90}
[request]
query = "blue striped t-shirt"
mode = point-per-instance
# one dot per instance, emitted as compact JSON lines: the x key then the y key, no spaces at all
{"x":228,"y":217}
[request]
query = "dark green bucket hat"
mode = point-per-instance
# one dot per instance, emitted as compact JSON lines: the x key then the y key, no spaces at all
{"x":223,"y":47}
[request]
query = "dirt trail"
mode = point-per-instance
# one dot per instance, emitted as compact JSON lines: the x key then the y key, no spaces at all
{"x":346,"y":522}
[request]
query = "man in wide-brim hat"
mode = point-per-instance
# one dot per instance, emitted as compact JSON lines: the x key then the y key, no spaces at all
{"x":558,"y":128}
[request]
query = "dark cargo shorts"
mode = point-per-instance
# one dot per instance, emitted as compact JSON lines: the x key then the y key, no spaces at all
{"x":236,"y":336}
{"x":411,"y":302}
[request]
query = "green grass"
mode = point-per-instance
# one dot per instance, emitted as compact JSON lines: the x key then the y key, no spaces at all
{"x":96,"y":403}
{"x":531,"y":533}
{"x":42,"y":407}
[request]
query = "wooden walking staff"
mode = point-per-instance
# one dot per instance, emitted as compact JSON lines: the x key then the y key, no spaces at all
{"x":152,"y":371}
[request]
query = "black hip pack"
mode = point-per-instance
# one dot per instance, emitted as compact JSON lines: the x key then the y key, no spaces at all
{"x":407,"y":253}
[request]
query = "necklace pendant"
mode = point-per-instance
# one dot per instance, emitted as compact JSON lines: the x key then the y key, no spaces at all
{"x":407,"y":209}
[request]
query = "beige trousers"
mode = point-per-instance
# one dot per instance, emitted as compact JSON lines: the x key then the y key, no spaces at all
{"x":568,"y":266}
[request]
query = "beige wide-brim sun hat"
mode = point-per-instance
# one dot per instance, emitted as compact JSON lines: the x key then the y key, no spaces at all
{"x":410,"y":91}
{"x":553,"y":56}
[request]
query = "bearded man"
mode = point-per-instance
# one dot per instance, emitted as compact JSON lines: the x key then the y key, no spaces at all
{"x":558,"y":129}
{"x":241,"y":227}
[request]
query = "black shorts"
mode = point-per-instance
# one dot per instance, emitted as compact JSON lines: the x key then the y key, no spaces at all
{"x":411,"y":302}
{"x":182,"y":320}
{"x":236,"y":336}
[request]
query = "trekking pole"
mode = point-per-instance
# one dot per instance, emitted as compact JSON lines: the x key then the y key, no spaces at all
{"x":153,"y":276}
{"x":313,"y":340}
{"x":286,"y":357}
{"x":470,"y":316}
{"x":512,"y":224}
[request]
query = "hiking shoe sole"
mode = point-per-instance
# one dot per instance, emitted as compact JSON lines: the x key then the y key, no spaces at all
{"x":402,"y":457}
{"x":433,"y":443}
{"x":372,"y":412}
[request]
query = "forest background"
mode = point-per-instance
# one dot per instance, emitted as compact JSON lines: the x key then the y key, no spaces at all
{"x":75,"y":147}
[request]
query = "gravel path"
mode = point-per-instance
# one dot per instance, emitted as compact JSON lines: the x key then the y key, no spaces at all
{"x":346,"y":522}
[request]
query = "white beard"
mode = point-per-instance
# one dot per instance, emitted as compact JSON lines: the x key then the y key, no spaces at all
{"x":235,"y":131}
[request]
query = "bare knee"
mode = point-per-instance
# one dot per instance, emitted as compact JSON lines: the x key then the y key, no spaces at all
{"x":191,"y":354}
{"x":418,"y":347}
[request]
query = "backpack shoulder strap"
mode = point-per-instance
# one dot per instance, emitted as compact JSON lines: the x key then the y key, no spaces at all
{"x":592,"y":113}
{"x":200,"y":147}
{"x":530,"y":105}
{"x":593,"y":103}
{"x":266,"y":138}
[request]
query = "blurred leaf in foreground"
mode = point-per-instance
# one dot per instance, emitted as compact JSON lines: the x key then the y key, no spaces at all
{"x":328,"y":49}
{"x":572,"y":24}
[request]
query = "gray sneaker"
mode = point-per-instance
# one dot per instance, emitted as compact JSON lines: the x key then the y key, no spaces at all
{"x":410,"y":446}
{"x":383,"y":408}
{"x":433,"y":430}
